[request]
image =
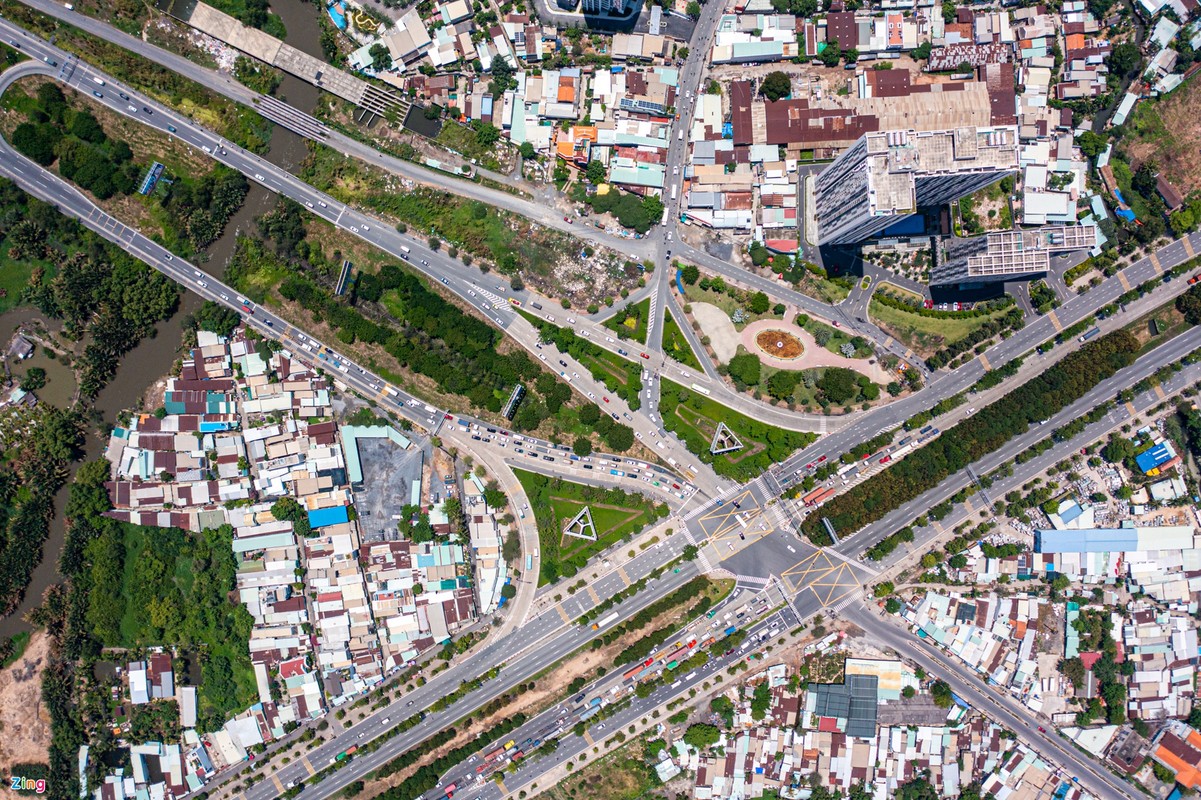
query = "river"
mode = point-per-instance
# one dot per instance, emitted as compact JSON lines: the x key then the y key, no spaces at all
{"x":153,"y":357}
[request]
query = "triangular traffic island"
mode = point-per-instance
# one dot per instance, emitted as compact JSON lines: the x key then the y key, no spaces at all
{"x":581,"y":525}
{"x":724,"y":441}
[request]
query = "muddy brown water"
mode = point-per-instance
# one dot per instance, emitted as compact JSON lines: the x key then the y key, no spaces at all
{"x":153,"y":357}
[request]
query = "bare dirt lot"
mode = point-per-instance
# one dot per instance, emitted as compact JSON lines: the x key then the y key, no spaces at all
{"x":24,"y":719}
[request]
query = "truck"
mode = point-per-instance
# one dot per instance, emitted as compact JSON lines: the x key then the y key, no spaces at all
{"x":675,"y":190}
{"x":1090,"y":334}
{"x":405,"y":249}
{"x":730,"y":630}
{"x":596,"y":626}
{"x":347,"y":753}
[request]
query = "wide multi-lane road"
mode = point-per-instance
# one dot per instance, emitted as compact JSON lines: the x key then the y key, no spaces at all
{"x":489,"y":296}
{"x":223,"y":85}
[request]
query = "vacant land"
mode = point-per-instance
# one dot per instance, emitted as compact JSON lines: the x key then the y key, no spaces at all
{"x":555,"y":503}
{"x":1167,"y":131}
{"x":23,"y":715}
{"x":676,"y":345}
{"x":694,"y":418}
{"x":554,"y":263}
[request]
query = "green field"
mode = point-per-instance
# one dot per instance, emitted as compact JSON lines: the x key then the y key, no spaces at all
{"x":926,"y":334}
{"x":837,"y":337}
{"x":695,"y":294}
{"x":694,"y":418}
{"x":675,"y":344}
{"x":555,"y":502}
{"x":630,"y":322}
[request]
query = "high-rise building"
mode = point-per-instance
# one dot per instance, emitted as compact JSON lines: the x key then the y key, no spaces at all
{"x":887,"y":176}
{"x":1007,"y":255}
{"x":603,"y":7}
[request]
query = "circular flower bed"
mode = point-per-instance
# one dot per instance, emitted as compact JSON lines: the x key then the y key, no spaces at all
{"x":779,"y":344}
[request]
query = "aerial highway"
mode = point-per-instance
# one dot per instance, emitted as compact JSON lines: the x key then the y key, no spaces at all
{"x":224,"y":85}
{"x":728,"y":532}
{"x":487,"y":295}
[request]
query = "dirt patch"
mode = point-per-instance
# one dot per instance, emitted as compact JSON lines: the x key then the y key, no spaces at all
{"x":716,"y":324}
{"x":24,"y":718}
{"x":779,"y":344}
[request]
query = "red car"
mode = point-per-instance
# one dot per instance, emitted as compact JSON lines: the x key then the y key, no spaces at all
{"x":605,"y":399}
{"x":644,"y":355}
{"x":447,"y":416}
{"x":836,"y":325}
{"x":1041,"y":729}
{"x":820,"y":460}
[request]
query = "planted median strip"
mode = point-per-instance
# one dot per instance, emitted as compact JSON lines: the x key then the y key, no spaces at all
{"x":972,"y":439}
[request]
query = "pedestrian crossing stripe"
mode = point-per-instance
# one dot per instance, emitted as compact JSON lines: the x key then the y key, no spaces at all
{"x":625,"y":579}
{"x":563,"y":614}
{"x":1154,"y":259}
{"x":501,"y":783}
{"x":595,"y":597}
{"x":1130,"y":409}
{"x":1124,"y":281}
{"x":984,"y":361}
{"x":1160,"y":393}
{"x":1055,"y":321}
{"x":1188,"y":246}
{"x":305,"y":760}
{"x":279,"y":786}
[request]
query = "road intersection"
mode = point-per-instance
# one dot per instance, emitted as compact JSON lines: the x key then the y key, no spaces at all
{"x":746,"y":529}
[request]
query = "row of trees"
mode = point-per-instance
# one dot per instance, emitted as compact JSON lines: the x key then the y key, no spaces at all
{"x":427,"y":334}
{"x":993,"y":426}
{"x":588,"y":353}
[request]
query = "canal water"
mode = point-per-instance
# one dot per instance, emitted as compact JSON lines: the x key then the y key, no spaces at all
{"x":153,"y":357}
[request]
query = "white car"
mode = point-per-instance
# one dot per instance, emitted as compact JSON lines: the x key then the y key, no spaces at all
{"x":353,"y":229}
{"x":258,"y":177}
{"x":203,"y":284}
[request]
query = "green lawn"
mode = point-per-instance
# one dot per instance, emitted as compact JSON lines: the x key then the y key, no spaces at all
{"x":925,"y":334}
{"x":694,"y":418}
{"x":838,"y":337}
{"x":728,"y":304}
{"x":675,"y":344}
{"x":630,"y":322}
{"x":615,"y":513}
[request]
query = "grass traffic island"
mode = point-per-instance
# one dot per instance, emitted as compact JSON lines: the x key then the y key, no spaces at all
{"x":926,"y":331}
{"x":616,"y":514}
{"x":779,"y":344}
{"x":695,"y":418}
{"x":630,"y":321}
{"x":676,"y":346}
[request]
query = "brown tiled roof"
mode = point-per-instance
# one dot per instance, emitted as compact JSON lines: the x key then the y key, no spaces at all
{"x":740,"y":112}
{"x":794,"y":122}
{"x":841,"y":25}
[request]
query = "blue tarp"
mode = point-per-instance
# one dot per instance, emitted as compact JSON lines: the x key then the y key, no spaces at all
{"x":328,"y":516}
